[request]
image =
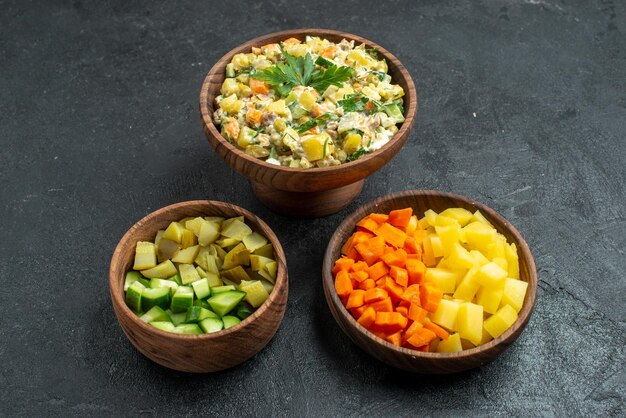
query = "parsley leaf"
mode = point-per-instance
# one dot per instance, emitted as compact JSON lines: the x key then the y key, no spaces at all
{"x":300,"y":71}
{"x":357,"y":154}
{"x":379,"y":74}
{"x":320,"y":120}
{"x":353,"y":103}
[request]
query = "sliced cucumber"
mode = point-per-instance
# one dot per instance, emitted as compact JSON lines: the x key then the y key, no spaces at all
{"x":133,"y":296}
{"x":187,"y":329}
{"x":325,"y":62}
{"x":176,"y":279}
{"x":222,"y":303}
{"x":155,"y":297}
{"x":297,"y":111}
{"x":198,"y":313}
{"x":210,"y":325}
{"x":393,"y":111}
{"x":221,"y":289}
{"x":201,"y":288}
{"x":178,"y":318}
{"x":182,"y":299}
{"x":243,"y":310}
{"x":163,"y":325}
{"x":230,"y":70}
{"x":202,"y":303}
{"x":230,"y":321}
{"x":132,"y":277}
{"x":156,"y":313}
{"x":158,"y":283}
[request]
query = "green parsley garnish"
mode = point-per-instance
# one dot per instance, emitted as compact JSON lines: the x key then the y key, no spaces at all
{"x":300,"y":71}
{"x":357,"y":154}
{"x":320,"y":120}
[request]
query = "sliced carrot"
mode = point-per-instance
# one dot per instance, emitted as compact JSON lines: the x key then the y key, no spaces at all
{"x":411,"y":330}
{"x":259,"y":87}
{"x":384,"y":305}
{"x":395,"y":292}
{"x":395,"y":339}
{"x":254,"y":117}
{"x":379,"y":218}
{"x":411,"y":246}
{"x":403,"y":310}
{"x":391,"y":234}
{"x":359,"y":276}
{"x":347,"y":245}
{"x":412,"y":294}
{"x":419,"y":235}
{"x":374,"y":295}
{"x":355,"y":299}
{"x":430,"y":296}
{"x":232,"y":128}
{"x":359,"y":266}
{"x":424,"y":348}
{"x":368,"y":224}
{"x":343,"y":285}
{"x":292,"y":41}
{"x":329,"y":52}
{"x":378,"y":270}
{"x":400,"y":275}
{"x":357,"y":312}
{"x":344,"y":263}
{"x":353,"y":254}
{"x":395,"y":258}
{"x":421,"y":337}
{"x":416,"y":270}
{"x":367,"y":318}
{"x":439,"y":332}
{"x":367,"y":284}
{"x":400,"y":217}
{"x":371,"y":250}
{"x":417,"y":313}
{"x":390,"y":322}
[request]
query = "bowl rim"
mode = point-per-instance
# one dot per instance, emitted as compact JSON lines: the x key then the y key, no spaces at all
{"x":116,"y":282}
{"x":213,"y":73}
{"x":523,"y":251}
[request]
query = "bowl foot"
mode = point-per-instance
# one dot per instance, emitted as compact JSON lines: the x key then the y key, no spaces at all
{"x":307,"y":204}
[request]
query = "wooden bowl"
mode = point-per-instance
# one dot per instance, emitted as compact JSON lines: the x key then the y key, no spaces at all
{"x":305,"y":192}
{"x":412,"y":360}
{"x":206,"y":352}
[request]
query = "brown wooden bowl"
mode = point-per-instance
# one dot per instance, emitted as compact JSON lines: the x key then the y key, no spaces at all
{"x":309,"y":192}
{"x":412,"y":360}
{"x":206,"y":352}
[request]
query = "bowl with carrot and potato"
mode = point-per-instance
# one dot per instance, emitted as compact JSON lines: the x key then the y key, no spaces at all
{"x":306,"y":115}
{"x":429,"y":282}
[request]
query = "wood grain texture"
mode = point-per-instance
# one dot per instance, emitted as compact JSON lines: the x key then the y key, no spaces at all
{"x":207,"y":352}
{"x":411,"y":360}
{"x":304,"y":180}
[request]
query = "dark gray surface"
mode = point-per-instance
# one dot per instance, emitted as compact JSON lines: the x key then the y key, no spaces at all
{"x":522,"y":106}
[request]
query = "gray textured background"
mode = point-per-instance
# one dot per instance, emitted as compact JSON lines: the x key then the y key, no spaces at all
{"x":522,"y":106}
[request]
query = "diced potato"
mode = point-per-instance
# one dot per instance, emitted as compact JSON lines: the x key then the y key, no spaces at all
{"x":306,"y":100}
{"x":317,"y":147}
{"x":256,"y":293}
{"x":160,"y":271}
{"x":441,"y":220}
{"x":351,"y":143}
{"x":491,"y":275}
{"x":514,"y":293}
{"x":174,"y":232}
{"x":478,"y":217}
{"x":429,"y":256}
{"x":496,"y":248}
{"x":245,"y":137}
{"x":431,"y":217}
{"x":446,"y":314}
{"x":489,"y":298}
{"x":479,"y":259}
{"x":186,"y":255}
{"x":443,"y":279}
{"x":279,"y":107}
{"x":209,"y":231}
{"x":460,"y":257}
{"x":510,"y":253}
{"x":502,"y":320}
{"x":436,"y":245}
{"x":461,"y":215}
{"x":236,"y":230}
{"x":231,"y":104}
{"x":290,"y":139}
{"x":479,"y":236}
{"x":229,"y":87}
{"x":188,"y":273}
{"x":470,"y":322}
{"x":253,"y":241}
{"x":468,"y":286}
{"x":241,"y":61}
{"x":501,"y":262}
{"x":451,"y":345}
{"x":145,"y":255}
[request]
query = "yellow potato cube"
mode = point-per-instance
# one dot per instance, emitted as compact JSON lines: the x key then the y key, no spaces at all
{"x":479,"y":217}
{"x":297,"y":50}
{"x":491,"y":275}
{"x":145,"y":255}
{"x":514,"y":293}
{"x":230,"y":87}
{"x":501,"y":262}
{"x":466,"y":290}
{"x":489,"y":298}
{"x":500,"y":321}
{"x":442,"y":220}
{"x":496,"y":248}
{"x":160,"y":271}
{"x":342,"y":92}
{"x":360,"y":57}
{"x":470,"y":322}
{"x":429,"y":256}
{"x":431,"y":217}
{"x":231,"y":104}
{"x":451,"y":345}
{"x":510,"y":253}
{"x":279,"y":107}
{"x":187,"y":255}
{"x":174,"y":232}
{"x":448,"y":235}
{"x":307,"y":99}
{"x":486,"y":336}
{"x":459,"y":257}
{"x":479,"y":259}
{"x":446,"y":314}
{"x":462,"y":216}
{"x":479,"y":236}
{"x":317,"y":147}
{"x":351,"y":143}
{"x":436,"y":245}
{"x":443,"y":279}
